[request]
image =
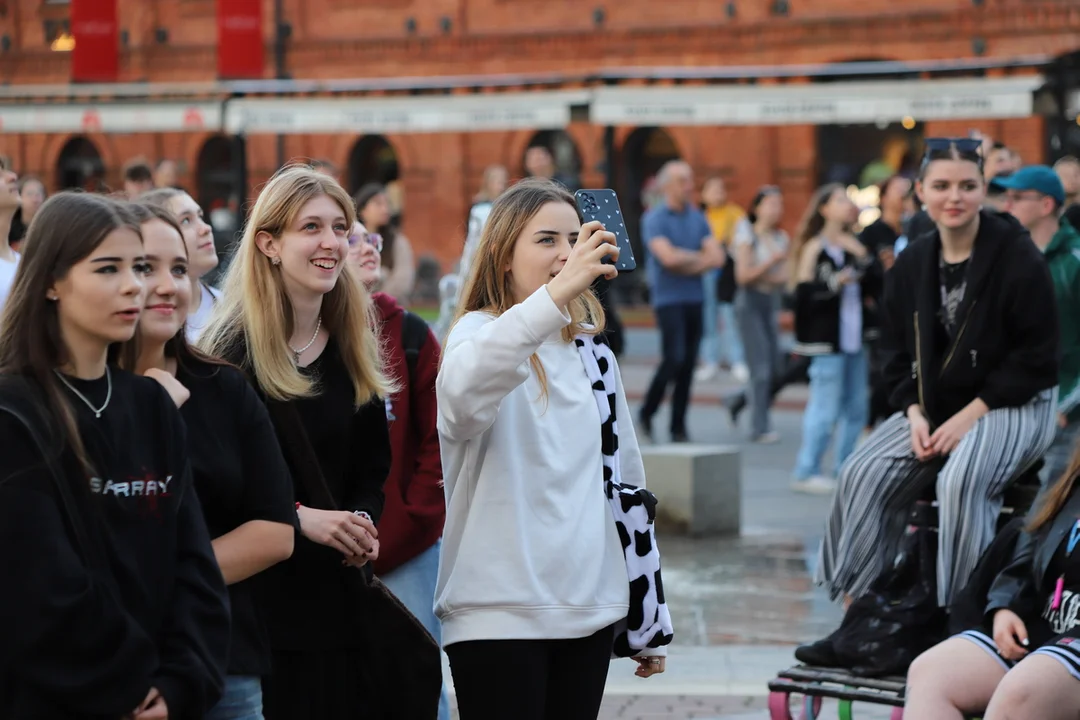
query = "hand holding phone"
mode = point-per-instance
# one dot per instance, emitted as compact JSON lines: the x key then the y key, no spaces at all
{"x":603,"y":206}
{"x":588,"y":260}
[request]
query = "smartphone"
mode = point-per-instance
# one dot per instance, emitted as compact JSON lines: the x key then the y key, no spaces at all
{"x":603,"y":205}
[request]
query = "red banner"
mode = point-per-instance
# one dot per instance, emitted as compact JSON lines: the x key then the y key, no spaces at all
{"x":96,"y":57}
{"x":240,"y":39}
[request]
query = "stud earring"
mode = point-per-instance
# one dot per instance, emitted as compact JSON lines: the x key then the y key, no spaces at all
{"x":275,"y":260}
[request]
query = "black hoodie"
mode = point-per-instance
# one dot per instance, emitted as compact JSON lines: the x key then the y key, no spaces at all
{"x":89,"y":627}
{"x":1006,"y":348}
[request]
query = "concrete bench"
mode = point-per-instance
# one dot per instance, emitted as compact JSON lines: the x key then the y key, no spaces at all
{"x":699,"y":487}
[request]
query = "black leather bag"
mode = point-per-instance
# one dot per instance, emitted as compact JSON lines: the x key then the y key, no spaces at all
{"x":407,"y":656}
{"x":898,"y":618}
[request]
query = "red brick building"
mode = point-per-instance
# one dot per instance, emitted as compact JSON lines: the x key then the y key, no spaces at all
{"x":430,"y":92}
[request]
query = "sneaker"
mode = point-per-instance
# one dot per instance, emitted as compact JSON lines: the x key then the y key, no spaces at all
{"x":740,"y":372}
{"x":816,"y":485}
{"x":769,"y":438}
{"x":680,"y":437}
{"x":706,"y":371}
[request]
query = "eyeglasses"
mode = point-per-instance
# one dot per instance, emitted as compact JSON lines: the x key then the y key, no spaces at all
{"x":373,"y":239}
{"x":944,"y":149}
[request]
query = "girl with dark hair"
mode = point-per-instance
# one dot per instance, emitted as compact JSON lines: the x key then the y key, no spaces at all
{"x":239,"y":471}
{"x":1025,"y":661}
{"x":399,"y":267}
{"x":117,"y":605}
{"x":972,"y":345}
{"x":835,"y":286}
{"x":201,"y":252}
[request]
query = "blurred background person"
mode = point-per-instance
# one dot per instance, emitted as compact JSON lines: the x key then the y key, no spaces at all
{"x":166,"y":174}
{"x":31,"y":195}
{"x":138,"y":178}
{"x":760,"y":251}
{"x":399,"y":267}
{"x":1068,"y":170}
{"x":720,"y":340}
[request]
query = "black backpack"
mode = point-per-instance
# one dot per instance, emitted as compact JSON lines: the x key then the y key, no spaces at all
{"x":414,"y":335}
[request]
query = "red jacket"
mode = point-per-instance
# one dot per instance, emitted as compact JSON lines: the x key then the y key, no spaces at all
{"x":412,"y":519}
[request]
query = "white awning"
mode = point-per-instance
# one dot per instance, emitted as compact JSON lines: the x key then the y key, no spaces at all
{"x":112,"y":118}
{"x":540,"y":110}
{"x":817,"y":103}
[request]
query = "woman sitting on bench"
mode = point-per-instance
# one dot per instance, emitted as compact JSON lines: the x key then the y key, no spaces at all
{"x":1030,"y":668}
{"x":971,"y":337}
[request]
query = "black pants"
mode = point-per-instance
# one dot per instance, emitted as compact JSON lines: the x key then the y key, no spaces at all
{"x":680,"y":338}
{"x":531,"y":679}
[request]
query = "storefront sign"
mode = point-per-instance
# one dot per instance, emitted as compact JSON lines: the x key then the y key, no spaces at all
{"x":134,"y":118}
{"x":96,"y":55}
{"x":817,"y":104}
{"x":511,"y":111}
{"x":240,"y":39}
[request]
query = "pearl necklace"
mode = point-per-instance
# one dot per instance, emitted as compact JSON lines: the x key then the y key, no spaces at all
{"x":297,"y":353}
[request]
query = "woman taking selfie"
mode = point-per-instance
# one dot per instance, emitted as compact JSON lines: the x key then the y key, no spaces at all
{"x":116,"y":604}
{"x":296,"y":320}
{"x":240,"y":474}
{"x":201,"y":252}
{"x":972,"y":338}
{"x":1026,"y":662}
{"x":533,"y":582}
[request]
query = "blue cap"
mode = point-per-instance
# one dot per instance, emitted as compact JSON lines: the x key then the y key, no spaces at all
{"x":1040,"y":178}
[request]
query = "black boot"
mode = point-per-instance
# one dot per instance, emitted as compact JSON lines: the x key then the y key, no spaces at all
{"x":819,"y":653}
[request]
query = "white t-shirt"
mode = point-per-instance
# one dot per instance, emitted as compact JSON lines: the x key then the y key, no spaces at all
{"x":198,"y":321}
{"x":530,"y":550}
{"x":7,"y":277}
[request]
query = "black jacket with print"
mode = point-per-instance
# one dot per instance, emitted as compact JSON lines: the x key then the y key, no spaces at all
{"x":817,"y":303}
{"x":1023,"y":585}
{"x":1006,"y":346}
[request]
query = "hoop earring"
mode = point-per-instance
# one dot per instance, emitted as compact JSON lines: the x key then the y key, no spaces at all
{"x":275,"y":261}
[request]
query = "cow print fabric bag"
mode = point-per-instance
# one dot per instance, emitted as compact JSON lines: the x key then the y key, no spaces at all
{"x":648,"y":622}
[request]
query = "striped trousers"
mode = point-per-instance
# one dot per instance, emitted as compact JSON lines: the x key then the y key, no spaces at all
{"x":998,"y":448}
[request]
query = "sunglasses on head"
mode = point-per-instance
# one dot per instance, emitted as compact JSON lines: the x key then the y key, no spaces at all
{"x":948,"y":148}
{"x":373,"y":239}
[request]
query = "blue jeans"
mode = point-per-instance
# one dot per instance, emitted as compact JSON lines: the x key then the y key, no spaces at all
{"x":414,"y":585}
{"x":242,"y":700}
{"x":839,"y":393}
{"x":720,"y":338}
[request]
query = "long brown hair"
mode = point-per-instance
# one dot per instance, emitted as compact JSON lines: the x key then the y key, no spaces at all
{"x":488,"y":288}
{"x":1057,"y":495}
{"x":177,"y":347}
{"x":256,"y":307}
{"x":811,"y":225}
{"x":66,"y":229}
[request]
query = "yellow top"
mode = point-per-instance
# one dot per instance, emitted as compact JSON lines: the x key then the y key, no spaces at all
{"x":723,"y":219}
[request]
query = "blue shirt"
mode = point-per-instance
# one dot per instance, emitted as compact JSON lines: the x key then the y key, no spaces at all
{"x":686,"y":229}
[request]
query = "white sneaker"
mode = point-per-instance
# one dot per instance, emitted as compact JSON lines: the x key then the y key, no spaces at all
{"x":740,"y":372}
{"x":706,"y":371}
{"x":816,"y":485}
{"x":769,"y":438}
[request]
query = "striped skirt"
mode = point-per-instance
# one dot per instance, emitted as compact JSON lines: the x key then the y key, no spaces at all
{"x":999,"y":447}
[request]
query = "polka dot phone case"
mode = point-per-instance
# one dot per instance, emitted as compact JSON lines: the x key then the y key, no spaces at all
{"x":603,"y":205}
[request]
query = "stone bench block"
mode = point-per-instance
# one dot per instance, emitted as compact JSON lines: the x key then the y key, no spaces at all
{"x":699,"y":487}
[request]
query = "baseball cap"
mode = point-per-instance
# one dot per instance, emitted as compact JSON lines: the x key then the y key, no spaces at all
{"x":1040,"y":178}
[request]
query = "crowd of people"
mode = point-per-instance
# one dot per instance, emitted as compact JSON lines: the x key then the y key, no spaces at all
{"x":279,"y":498}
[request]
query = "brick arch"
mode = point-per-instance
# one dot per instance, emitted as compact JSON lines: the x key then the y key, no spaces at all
{"x":193,"y":146}
{"x":404,"y":151}
{"x":56,"y":144}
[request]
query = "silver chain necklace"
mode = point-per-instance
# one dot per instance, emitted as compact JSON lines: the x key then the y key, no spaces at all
{"x":108,"y":395}
{"x":297,"y":353}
